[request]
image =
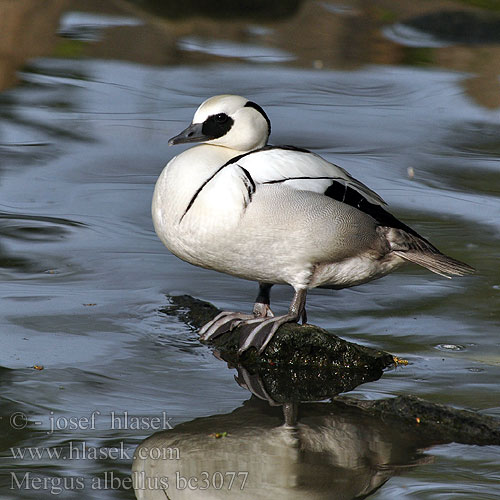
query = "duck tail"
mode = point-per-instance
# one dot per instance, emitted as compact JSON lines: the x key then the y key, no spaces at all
{"x":414,"y":248}
{"x":437,"y":263}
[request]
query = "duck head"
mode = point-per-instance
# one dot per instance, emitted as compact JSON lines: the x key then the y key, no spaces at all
{"x":230,"y":121}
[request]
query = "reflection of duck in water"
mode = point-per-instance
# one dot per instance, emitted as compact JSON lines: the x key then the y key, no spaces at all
{"x":275,"y":214}
{"x":334,"y":452}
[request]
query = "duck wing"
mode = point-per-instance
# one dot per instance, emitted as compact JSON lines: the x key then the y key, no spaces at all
{"x":306,"y":171}
{"x":301,"y":169}
{"x":294,"y":168}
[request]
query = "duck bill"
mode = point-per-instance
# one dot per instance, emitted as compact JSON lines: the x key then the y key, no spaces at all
{"x":193,"y":133}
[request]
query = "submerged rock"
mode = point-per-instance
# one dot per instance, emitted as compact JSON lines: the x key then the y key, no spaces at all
{"x":435,"y":423}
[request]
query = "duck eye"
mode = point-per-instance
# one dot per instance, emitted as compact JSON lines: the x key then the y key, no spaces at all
{"x":221,"y":118}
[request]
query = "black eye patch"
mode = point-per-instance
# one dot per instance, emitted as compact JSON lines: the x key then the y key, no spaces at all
{"x":221,"y":118}
{"x":216,"y":126}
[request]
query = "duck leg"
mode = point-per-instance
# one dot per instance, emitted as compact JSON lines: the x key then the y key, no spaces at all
{"x":260,"y":335}
{"x":228,"y":320}
{"x":262,"y":308}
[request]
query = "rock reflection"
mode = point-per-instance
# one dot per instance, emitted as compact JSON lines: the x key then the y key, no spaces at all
{"x":249,"y":453}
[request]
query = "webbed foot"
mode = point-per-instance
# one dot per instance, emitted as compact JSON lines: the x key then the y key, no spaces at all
{"x":257,"y":329}
{"x":260,"y":334}
{"x":227,"y":321}
{"x":224,"y":322}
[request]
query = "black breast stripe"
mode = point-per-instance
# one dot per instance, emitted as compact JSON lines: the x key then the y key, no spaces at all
{"x":198,"y":191}
{"x":250,"y":183}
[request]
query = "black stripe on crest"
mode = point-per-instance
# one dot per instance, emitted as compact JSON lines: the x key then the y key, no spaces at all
{"x":254,"y":105}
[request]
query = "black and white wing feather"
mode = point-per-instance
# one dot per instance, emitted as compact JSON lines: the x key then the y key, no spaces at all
{"x":306,"y":171}
{"x":300,"y":169}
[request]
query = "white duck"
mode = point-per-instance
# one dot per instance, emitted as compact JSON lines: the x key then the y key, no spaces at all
{"x":276,"y":215}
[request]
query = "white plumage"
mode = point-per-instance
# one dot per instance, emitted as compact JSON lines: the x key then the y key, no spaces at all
{"x":275,"y":214}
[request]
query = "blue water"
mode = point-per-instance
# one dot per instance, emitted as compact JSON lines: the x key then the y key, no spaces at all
{"x":82,"y":141}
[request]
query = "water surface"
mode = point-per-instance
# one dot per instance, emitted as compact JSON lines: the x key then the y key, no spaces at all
{"x":83,"y":137}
